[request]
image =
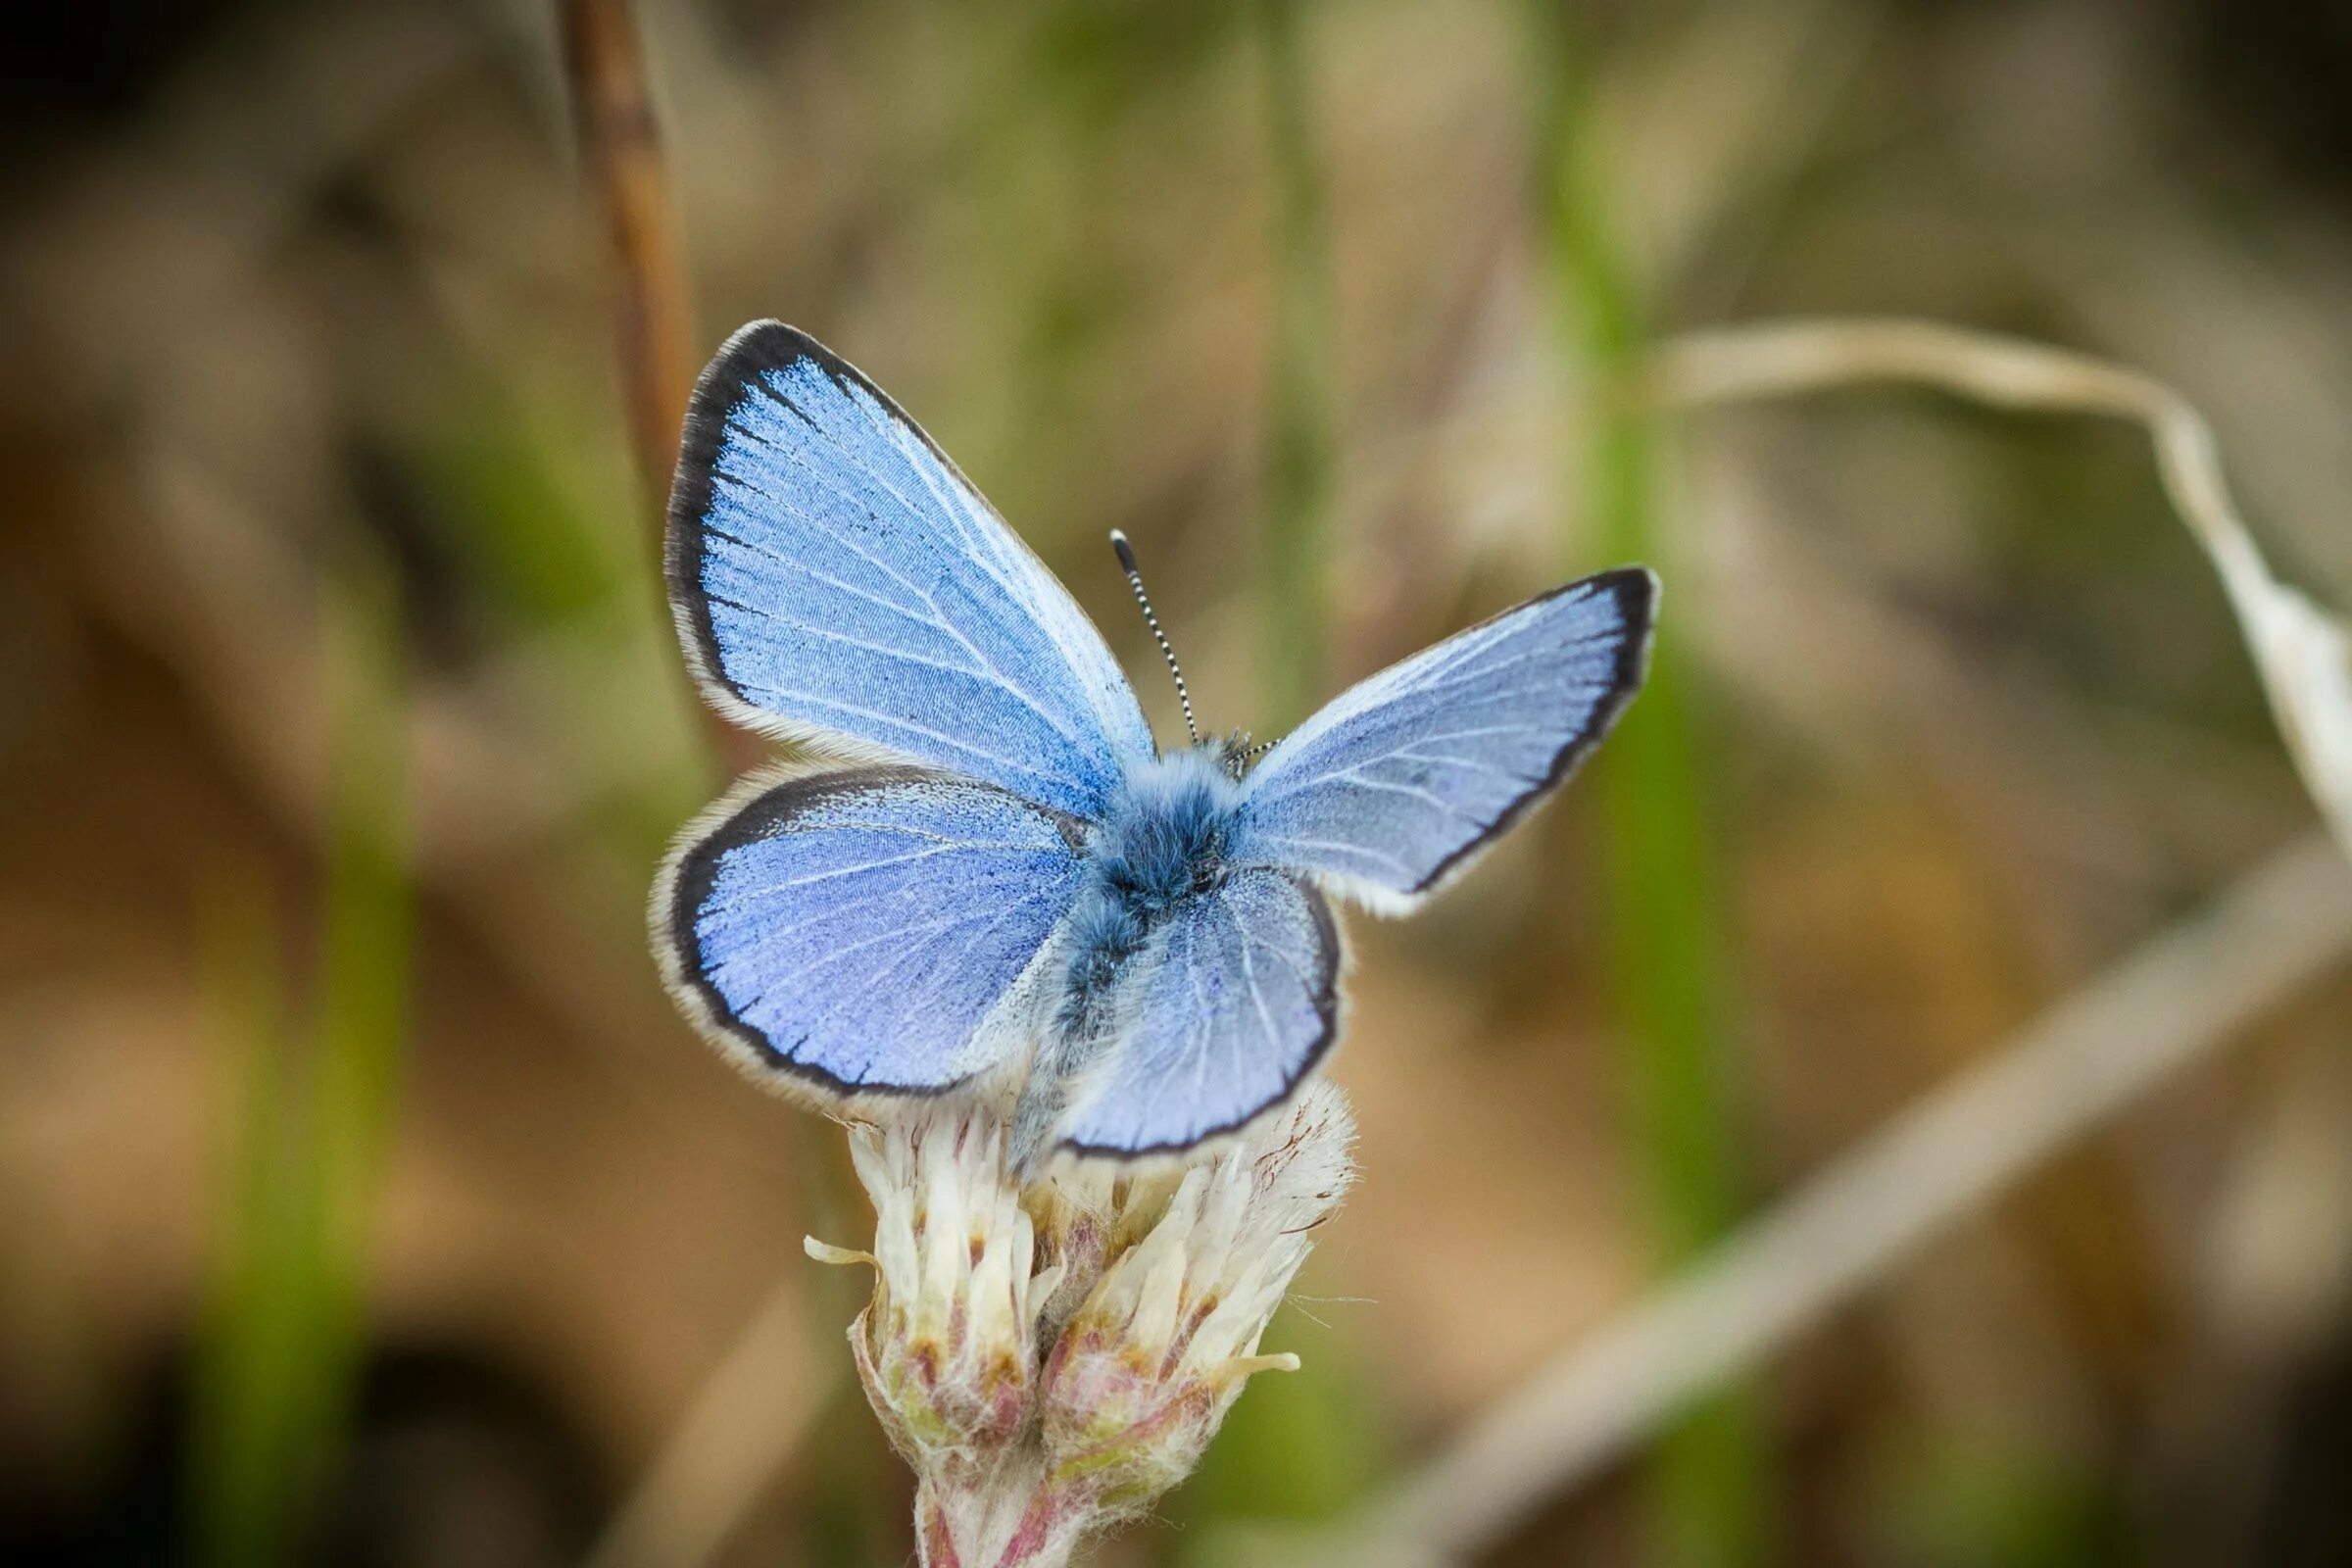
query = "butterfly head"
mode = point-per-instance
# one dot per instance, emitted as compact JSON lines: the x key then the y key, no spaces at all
{"x":1235,"y":754}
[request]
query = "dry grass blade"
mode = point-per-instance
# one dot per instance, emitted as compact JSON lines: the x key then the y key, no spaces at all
{"x":740,"y":1432}
{"x":2300,"y":651}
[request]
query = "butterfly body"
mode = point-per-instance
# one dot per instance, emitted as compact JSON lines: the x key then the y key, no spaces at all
{"x":1159,"y":847}
{"x":1008,"y":887}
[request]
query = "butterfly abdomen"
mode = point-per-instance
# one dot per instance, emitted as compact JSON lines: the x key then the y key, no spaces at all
{"x":1105,"y":932}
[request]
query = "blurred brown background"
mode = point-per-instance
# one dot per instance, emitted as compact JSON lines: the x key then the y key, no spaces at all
{"x":340,"y":726}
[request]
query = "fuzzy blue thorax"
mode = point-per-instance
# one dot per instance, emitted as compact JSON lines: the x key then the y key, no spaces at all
{"x":1161,"y":841}
{"x":1164,"y":835}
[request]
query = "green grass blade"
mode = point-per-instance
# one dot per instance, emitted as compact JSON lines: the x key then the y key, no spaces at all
{"x":1298,"y":455}
{"x":1663,"y":872}
{"x":364,"y":992}
{"x":238,"y":1383}
{"x":279,"y":1335}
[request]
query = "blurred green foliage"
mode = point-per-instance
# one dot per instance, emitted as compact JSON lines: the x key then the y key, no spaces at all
{"x":1298,"y":1448}
{"x":505,"y":468}
{"x":1958,"y":1500}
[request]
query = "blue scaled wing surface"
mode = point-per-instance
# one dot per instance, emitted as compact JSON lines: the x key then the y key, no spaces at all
{"x":1397,"y":783}
{"x":835,"y":581}
{"x":1232,"y":1003}
{"x":872,"y":930}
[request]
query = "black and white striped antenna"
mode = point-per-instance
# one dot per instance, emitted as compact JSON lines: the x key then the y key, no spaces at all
{"x":1135,"y":580}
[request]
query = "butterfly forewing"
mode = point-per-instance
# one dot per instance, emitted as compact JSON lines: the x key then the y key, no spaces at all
{"x":1397,"y":782}
{"x":866,"y":931}
{"x":836,"y":580}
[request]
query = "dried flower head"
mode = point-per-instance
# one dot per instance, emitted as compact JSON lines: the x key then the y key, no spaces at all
{"x":947,"y":1348}
{"x":1051,"y":1357}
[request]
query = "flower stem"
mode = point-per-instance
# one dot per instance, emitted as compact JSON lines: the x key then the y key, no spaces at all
{"x":934,"y":1540}
{"x":1010,"y":1516}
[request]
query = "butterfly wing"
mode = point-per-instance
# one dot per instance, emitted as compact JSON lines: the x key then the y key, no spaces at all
{"x":835,"y":581}
{"x":868,"y":930}
{"x":1230,"y":1006}
{"x":1398,"y":781}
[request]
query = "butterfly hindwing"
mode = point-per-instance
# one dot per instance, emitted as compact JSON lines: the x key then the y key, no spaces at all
{"x":837,"y":581}
{"x":1232,"y":1005}
{"x":872,"y":930}
{"x":1398,"y":781}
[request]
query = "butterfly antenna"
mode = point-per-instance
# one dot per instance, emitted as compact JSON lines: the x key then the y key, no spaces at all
{"x":1135,"y":580}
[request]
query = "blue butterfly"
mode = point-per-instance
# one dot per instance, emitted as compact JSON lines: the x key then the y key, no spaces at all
{"x":1004,"y":881}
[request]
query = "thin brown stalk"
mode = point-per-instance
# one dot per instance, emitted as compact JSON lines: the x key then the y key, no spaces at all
{"x":621,"y":148}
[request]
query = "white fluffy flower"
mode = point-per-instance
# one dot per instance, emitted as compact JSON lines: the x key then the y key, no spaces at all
{"x":1053,"y":1356}
{"x":1147,"y":1368}
{"x":947,"y":1347}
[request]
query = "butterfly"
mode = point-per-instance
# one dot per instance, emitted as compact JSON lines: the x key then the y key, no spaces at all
{"x":1001,"y":879}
